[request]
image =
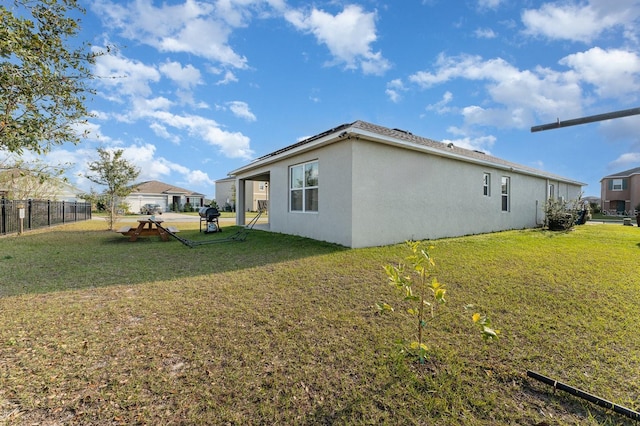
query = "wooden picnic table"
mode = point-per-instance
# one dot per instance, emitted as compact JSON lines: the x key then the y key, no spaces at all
{"x":145,"y":228}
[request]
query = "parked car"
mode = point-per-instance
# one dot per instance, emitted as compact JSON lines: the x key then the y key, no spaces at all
{"x":151,"y":209}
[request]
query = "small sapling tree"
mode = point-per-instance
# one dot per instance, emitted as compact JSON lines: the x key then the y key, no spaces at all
{"x":116,"y":174}
{"x":415,"y":279}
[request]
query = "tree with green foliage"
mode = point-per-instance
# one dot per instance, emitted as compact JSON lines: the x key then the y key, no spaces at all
{"x":44,"y":74}
{"x":415,"y":279}
{"x":116,"y":174}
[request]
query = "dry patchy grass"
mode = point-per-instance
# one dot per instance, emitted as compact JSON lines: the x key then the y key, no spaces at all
{"x":283,"y":330}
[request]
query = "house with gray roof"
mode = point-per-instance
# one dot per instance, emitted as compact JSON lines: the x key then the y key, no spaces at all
{"x":169,"y":197}
{"x":361,"y":185}
{"x":620,"y":192}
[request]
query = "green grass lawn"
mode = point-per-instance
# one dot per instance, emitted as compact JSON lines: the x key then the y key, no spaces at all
{"x":282,"y":330}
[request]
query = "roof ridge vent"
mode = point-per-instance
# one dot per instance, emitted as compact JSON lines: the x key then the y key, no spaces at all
{"x":402,"y":131}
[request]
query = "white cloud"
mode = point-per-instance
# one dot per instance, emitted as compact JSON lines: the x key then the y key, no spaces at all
{"x":478,"y":143}
{"x":485,"y":33}
{"x":630,"y":159}
{"x":185,"y":77}
{"x":92,"y":131}
{"x":442,"y":106}
{"x":231,"y":144}
{"x":518,"y":96}
{"x":229,"y":77}
{"x":348,"y":36}
{"x":395,"y":89}
{"x":161,"y":131}
{"x":579,"y":21}
{"x":190,"y":27}
{"x":241,"y":109}
{"x":124,"y":76}
{"x":198,"y":177}
{"x":614,"y":73}
{"x":489,"y":4}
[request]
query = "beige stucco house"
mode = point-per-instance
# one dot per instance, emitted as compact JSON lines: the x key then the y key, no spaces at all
{"x":255,"y":194}
{"x":362,"y":185}
{"x":169,"y":197}
{"x":620,"y":192}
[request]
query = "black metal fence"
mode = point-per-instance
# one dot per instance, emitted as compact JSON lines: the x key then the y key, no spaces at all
{"x":34,"y":214}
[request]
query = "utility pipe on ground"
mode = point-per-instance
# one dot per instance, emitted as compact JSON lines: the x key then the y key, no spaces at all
{"x":584,"y":395}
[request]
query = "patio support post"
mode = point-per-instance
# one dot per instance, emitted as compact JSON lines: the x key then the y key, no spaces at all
{"x":240,"y":207}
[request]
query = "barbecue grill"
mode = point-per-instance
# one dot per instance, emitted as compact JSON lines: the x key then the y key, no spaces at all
{"x":209,"y":217}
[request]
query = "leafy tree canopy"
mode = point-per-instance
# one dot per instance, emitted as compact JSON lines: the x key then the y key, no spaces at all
{"x":44,"y":74}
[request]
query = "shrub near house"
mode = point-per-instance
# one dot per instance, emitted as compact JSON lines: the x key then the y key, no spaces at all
{"x":561,"y":216}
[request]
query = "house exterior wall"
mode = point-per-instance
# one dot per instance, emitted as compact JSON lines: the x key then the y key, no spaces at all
{"x":372,"y":194}
{"x":333,"y":220}
{"x":430,"y":197}
{"x":136,"y":201}
{"x":379,"y":186}
{"x":256,"y":190}
{"x":224,"y":193}
{"x":612,"y":199}
{"x":634,"y":191}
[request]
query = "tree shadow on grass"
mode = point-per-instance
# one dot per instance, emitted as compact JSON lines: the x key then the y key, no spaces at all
{"x":70,"y":259}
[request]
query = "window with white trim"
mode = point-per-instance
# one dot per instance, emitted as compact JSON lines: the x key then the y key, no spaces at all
{"x":506,"y":189}
{"x":551,"y":192}
{"x":616,"y":184}
{"x":303,"y":187}
{"x":486,"y":185}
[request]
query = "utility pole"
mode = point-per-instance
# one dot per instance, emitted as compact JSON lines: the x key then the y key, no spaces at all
{"x":584,"y":120}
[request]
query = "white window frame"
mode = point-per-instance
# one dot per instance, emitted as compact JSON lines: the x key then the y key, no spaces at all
{"x":551,"y":192}
{"x":305,"y":187}
{"x":486,"y":184}
{"x":505,"y":190}
{"x":617,"y":184}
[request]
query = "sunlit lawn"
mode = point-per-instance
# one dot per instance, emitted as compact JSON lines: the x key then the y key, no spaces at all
{"x":283,"y":330}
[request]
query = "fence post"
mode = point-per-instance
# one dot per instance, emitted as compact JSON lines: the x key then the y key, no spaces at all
{"x":3,"y":216}
{"x":29,"y":222}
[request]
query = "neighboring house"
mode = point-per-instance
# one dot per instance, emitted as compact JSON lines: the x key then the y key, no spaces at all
{"x":362,"y":185}
{"x":255,"y":192}
{"x":169,"y":197}
{"x":620,"y":192}
{"x":18,"y":185}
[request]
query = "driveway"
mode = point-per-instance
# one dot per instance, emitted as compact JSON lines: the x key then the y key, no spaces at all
{"x":166,"y":217}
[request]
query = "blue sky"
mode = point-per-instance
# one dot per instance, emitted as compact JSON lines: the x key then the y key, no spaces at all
{"x":198,"y":88}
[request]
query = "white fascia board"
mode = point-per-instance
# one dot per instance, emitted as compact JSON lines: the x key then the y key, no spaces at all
{"x":331,"y":138}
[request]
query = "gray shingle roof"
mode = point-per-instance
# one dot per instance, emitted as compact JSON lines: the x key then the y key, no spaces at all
{"x":407,"y":137}
{"x":626,"y":173}
{"x":451,"y":148}
{"x":157,"y":187}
